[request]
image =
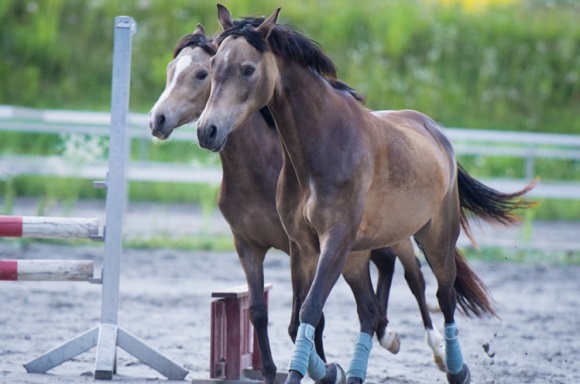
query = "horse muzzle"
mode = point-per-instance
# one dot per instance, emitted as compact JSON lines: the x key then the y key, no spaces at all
{"x":159,"y":126}
{"x":209,"y":138}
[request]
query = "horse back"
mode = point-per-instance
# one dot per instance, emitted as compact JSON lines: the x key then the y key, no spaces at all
{"x":416,"y":132}
{"x":414,"y":169}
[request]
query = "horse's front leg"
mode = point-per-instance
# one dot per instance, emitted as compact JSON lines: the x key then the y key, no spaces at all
{"x":357,"y":275}
{"x":252,"y":260}
{"x":334,"y":250}
{"x":302,"y":275}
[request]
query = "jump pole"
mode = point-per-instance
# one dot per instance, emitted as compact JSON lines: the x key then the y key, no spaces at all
{"x":46,"y":270}
{"x":108,"y":335}
{"x":49,"y":227}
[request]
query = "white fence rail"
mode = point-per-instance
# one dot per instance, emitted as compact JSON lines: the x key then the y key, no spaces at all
{"x":525,"y":145}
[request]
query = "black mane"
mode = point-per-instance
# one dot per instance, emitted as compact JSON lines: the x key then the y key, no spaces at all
{"x":290,"y":44}
{"x":194,"y":41}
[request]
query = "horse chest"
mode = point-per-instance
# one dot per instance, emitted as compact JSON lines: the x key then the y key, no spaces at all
{"x":297,"y":209}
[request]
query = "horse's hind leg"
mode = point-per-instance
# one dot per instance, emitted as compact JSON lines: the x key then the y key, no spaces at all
{"x":357,"y":275}
{"x":252,"y":260}
{"x":437,"y":239}
{"x":416,"y":283}
{"x":384,"y":259}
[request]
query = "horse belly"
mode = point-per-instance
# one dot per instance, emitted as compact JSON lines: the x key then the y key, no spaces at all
{"x":391,"y":219}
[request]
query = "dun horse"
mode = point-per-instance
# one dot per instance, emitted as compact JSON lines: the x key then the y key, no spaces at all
{"x":247,"y":198}
{"x":351,"y":180}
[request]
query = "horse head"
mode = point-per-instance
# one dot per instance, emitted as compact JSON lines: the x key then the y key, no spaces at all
{"x":187,"y":86}
{"x":243,"y":76}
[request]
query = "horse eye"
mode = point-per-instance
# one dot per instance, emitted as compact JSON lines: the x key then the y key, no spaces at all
{"x":201,"y":75}
{"x":248,"y":71}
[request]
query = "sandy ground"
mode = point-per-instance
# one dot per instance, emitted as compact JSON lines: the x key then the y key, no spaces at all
{"x":166,"y":295}
{"x":165,"y":301}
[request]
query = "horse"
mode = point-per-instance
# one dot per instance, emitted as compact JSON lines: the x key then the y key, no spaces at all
{"x":247,"y":198}
{"x":351,"y":180}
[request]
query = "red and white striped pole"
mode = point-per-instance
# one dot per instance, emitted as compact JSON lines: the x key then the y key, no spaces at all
{"x":49,"y":227}
{"x":46,"y":270}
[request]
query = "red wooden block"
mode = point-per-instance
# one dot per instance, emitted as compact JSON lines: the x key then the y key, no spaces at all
{"x":234,"y":346}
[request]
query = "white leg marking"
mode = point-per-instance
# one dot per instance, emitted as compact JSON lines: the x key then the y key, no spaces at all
{"x":391,"y":341}
{"x":437,"y":344}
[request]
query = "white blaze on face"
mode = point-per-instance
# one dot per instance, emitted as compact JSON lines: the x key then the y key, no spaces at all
{"x":183,"y":61}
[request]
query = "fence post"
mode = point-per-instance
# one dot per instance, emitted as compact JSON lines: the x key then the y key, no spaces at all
{"x":530,"y":162}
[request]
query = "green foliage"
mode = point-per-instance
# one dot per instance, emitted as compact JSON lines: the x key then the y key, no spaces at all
{"x":511,"y":67}
{"x":534,"y":256}
{"x":202,"y":242}
{"x":514,"y":67}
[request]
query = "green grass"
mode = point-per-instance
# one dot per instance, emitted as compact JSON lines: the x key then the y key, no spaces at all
{"x":529,"y":256}
{"x":215,"y":243}
{"x":224,"y":243}
{"x":192,"y":243}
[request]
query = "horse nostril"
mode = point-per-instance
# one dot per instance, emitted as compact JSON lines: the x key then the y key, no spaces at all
{"x":160,"y":121}
{"x":212,"y":132}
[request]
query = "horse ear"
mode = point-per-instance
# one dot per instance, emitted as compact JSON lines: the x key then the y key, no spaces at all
{"x":224,"y":17}
{"x":199,"y":30}
{"x":266,"y":27}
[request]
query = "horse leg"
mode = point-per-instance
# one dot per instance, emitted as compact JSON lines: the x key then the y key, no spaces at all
{"x":356,"y":273}
{"x":384,"y":259}
{"x":319,"y":331}
{"x":319,"y":338}
{"x":416,"y":283}
{"x":302,"y":276}
{"x":437,"y":239}
{"x":252,"y":260}
{"x":302,"y":271}
{"x":334,"y":251}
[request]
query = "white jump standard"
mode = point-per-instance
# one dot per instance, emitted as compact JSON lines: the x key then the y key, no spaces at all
{"x":107,"y":335}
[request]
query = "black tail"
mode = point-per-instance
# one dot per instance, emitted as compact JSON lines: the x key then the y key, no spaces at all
{"x":480,"y":201}
{"x":472,"y":294}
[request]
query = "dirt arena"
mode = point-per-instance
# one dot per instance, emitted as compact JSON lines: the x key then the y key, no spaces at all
{"x":165,"y":301}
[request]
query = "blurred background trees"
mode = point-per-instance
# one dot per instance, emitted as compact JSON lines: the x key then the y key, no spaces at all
{"x":482,"y":64}
{"x":490,"y":64}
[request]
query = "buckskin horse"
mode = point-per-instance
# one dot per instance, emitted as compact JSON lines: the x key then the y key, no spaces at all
{"x":351,"y":180}
{"x":247,"y":198}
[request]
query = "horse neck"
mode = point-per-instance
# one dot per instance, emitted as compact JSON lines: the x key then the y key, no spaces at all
{"x":307,"y":111}
{"x":252,"y":150}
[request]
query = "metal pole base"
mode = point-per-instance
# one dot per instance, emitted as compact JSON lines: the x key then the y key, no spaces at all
{"x":106,"y":337}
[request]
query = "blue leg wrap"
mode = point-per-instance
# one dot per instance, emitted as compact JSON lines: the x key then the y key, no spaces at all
{"x":360,"y":356}
{"x":316,"y":367}
{"x":305,"y":356}
{"x":454,"y":358}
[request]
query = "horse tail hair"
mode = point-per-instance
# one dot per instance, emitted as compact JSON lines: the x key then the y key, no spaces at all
{"x":472,"y":294}
{"x":480,"y":201}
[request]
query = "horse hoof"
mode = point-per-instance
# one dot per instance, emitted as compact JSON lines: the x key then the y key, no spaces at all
{"x":462,"y":377}
{"x":391,"y":341}
{"x":334,"y":375}
{"x":440,"y":361}
{"x":293,"y":377}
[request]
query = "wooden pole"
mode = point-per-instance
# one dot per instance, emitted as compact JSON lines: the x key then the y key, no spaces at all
{"x":46,"y":270}
{"x":49,"y":227}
